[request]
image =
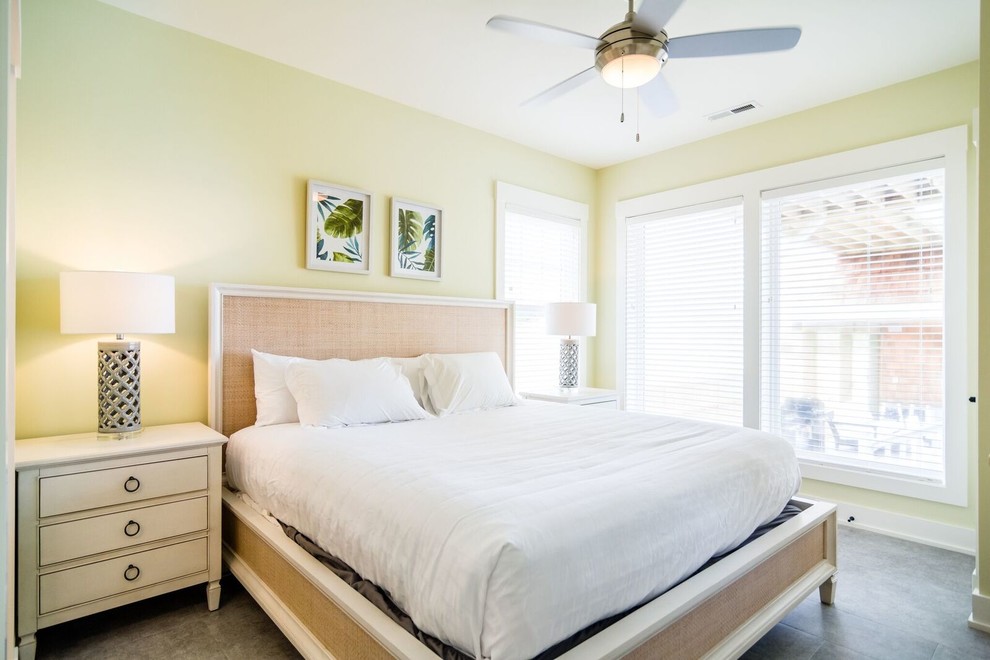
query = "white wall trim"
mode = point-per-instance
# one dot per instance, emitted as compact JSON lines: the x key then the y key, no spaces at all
{"x":909,"y":528}
{"x":864,"y":159}
{"x":272,"y":291}
{"x":979,"y":618}
{"x":12,"y":63}
{"x":510,"y":197}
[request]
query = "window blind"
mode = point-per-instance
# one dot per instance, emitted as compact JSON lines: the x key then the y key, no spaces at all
{"x":542,"y":263}
{"x":852,"y":321}
{"x":684,"y":312}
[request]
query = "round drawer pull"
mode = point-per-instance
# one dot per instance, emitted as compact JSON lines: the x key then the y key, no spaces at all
{"x":132,"y":528}
{"x":132,"y":484}
{"x":132,"y":573}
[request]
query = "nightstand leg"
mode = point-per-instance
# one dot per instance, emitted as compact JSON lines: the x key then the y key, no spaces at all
{"x":26,"y":646}
{"x":213,"y":595}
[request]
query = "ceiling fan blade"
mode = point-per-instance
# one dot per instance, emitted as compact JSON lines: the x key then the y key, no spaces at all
{"x":658,"y":97}
{"x":547,"y":33}
{"x":734,"y":42}
{"x":563,"y":87}
{"x":653,"y":15}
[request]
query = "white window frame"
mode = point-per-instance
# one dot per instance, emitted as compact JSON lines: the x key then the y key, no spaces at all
{"x":509,"y":197}
{"x":950,"y":146}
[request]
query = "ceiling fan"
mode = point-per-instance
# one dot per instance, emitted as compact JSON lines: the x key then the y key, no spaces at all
{"x":631,"y":53}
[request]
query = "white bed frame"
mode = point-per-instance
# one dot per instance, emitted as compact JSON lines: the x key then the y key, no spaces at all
{"x":718,"y":613}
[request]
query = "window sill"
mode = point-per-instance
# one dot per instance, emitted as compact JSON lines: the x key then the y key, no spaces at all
{"x":952,"y":492}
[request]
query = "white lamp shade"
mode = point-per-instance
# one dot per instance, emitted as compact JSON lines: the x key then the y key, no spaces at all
{"x":94,"y":302}
{"x":574,"y":319}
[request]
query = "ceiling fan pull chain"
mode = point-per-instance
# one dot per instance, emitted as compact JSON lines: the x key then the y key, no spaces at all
{"x":637,"y":114}
{"x":622,"y":95}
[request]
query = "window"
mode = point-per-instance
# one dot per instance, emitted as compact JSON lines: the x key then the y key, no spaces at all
{"x":835,"y":317}
{"x":853,"y":318}
{"x":541,"y":260}
{"x":684,"y":304}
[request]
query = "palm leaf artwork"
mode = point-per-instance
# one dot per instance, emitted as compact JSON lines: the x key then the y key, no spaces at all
{"x":407,"y":261}
{"x":410,"y":229}
{"x":410,"y":233}
{"x":430,"y":243}
{"x":345,"y":220}
{"x":320,"y":252}
{"x":416,"y":240}
{"x":339,"y":226}
{"x":351,"y":252}
{"x":324,"y":205}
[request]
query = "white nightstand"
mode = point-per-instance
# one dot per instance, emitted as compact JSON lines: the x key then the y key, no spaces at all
{"x":579,"y":396}
{"x":103,"y":522}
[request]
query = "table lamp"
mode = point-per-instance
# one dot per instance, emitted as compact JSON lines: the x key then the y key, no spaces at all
{"x":114,"y":303}
{"x":570,"y":319}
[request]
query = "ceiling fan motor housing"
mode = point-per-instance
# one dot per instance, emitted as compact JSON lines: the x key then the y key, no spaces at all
{"x":622,"y":41}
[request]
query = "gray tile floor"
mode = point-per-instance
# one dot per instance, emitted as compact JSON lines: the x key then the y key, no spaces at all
{"x":896,"y":600}
{"x":172,"y":627}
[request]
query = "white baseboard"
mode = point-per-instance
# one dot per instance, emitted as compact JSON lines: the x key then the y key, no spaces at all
{"x":980,"y":618}
{"x":939,"y":535}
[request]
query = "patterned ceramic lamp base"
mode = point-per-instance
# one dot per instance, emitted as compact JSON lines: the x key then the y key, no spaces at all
{"x":119,"y":394}
{"x":568,"y":363}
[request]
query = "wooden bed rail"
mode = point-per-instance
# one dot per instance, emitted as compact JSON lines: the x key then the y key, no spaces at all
{"x":718,"y":613}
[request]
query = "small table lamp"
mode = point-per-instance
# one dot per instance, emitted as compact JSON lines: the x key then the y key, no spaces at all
{"x":573,"y":319}
{"x":117,"y":303}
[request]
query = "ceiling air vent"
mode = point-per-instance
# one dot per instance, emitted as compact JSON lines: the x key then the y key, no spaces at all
{"x":743,"y":108}
{"x":737,"y":110}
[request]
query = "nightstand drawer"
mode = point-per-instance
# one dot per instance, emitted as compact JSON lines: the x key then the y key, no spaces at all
{"x":91,"y":582}
{"x":89,"y":536}
{"x":578,"y":396}
{"x":606,"y":405}
{"x":89,"y":490}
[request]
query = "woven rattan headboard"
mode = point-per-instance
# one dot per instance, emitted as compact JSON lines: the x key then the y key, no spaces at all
{"x":321,"y":324}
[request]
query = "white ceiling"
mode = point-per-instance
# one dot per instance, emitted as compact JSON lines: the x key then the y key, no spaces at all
{"x":437,"y":55}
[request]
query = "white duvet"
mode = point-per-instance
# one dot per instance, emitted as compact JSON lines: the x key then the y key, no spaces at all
{"x":505,"y":531}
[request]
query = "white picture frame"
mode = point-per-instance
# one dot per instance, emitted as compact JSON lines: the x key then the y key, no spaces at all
{"x":416,"y":247}
{"x":338,"y":228}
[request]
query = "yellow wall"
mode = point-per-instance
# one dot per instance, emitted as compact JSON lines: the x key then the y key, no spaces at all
{"x":918,"y":106}
{"x":149,"y":149}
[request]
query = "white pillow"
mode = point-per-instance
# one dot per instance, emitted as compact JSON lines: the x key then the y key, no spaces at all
{"x":273,"y":399}
{"x":413,"y":369}
{"x":336,"y":392}
{"x":459,"y":382}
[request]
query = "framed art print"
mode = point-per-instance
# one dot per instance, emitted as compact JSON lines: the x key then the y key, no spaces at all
{"x":338,"y":228}
{"x":416,"y":246}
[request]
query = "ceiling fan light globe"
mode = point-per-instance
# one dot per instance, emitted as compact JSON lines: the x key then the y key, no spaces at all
{"x":631,"y":71}
{"x":628,"y":58}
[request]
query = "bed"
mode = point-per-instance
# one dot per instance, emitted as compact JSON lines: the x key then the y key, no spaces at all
{"x":718,"y":612}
